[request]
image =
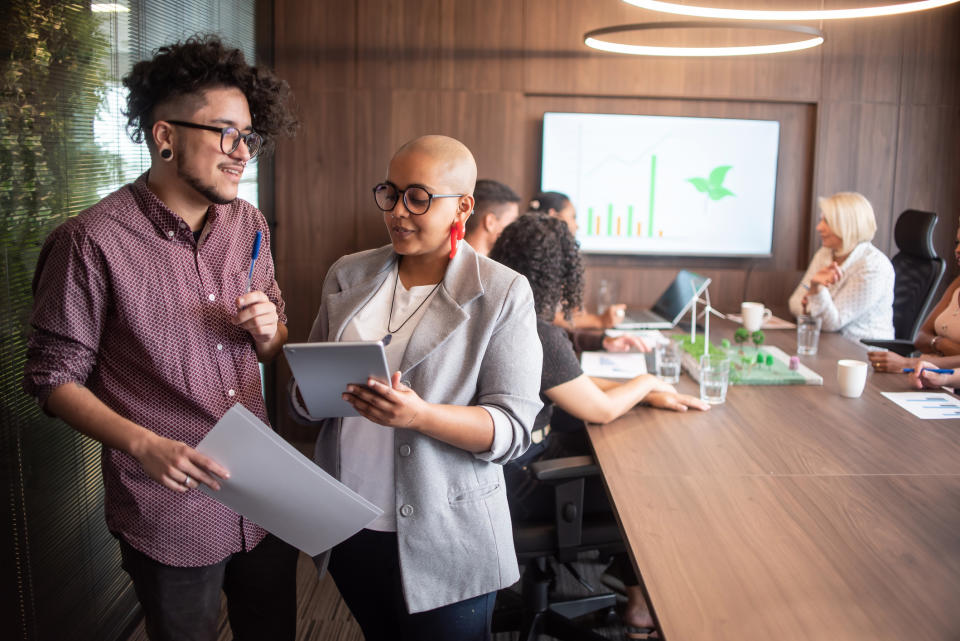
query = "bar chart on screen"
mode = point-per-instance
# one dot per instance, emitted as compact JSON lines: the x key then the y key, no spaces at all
{"x":665,"y":185}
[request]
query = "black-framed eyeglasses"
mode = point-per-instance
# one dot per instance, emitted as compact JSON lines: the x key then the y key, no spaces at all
{"x":230,"y":137}
{"x":415,"y":197}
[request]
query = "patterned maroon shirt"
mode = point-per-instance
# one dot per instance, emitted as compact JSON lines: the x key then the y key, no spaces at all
{"x":127,"y":304}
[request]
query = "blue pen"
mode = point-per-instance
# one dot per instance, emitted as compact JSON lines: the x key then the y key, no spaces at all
{"x":253,"y":258}
{"x":935,"y":370}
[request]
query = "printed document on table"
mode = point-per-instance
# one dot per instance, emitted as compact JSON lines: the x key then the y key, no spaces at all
{"x":615,"y":365}
{"x":274,"y":485}
{"x":927,"y":404}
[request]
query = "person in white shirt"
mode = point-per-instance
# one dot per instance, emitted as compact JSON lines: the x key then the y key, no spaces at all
{"x":849,"y":283}
{"x":428,"y":446}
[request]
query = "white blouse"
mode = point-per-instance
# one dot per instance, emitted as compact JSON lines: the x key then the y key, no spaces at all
{"x":860,"y":304}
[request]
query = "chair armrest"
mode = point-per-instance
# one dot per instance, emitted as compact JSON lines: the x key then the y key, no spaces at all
{"x":569,"y":467}
{"x":900,"y":346}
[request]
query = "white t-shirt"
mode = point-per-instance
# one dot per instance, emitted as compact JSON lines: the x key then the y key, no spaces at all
{"x":367,"y":449}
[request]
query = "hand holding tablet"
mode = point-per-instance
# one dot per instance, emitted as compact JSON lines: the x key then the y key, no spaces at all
{"x":324,"y":370}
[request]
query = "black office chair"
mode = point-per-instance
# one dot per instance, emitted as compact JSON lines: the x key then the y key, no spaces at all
{"x":570,"y":533}
{"x":918,"y":272}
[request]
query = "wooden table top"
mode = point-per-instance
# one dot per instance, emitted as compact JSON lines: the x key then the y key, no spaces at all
{"x":790,"y":512}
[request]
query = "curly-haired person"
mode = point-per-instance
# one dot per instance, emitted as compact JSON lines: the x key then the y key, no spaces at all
{"x":542,"y":248}
{"x":146,"y":330}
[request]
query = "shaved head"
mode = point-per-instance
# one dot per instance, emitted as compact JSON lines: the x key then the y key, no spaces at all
{"x":453,"y":161}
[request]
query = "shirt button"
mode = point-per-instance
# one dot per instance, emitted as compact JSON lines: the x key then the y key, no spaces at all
{"x":230,"y":392}
{"x":183,"y":225}
{"x":405,"y":450}
{"x":406,"y":510}
{"x":219,"y":347}
{"x":170,"y":233}
{"x":212,"y":297}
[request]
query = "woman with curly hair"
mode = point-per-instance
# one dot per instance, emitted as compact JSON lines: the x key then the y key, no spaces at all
{"x":147,"y":329}
{"x":543,"y":249}
{"x":558,"y":205}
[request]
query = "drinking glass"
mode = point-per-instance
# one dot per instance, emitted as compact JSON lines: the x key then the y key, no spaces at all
{"x":714,"y":378}
{"x":808,"y":335}
{"x":668,"y":362}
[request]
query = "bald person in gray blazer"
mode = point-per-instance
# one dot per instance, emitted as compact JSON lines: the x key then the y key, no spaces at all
{"x":429,"y":445}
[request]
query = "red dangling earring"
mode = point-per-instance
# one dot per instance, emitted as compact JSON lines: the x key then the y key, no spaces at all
{"x":456,"y":233}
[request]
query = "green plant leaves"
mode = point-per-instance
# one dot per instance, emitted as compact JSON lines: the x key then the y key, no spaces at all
{"x":712,"y":186}
{"x":700,"y":183}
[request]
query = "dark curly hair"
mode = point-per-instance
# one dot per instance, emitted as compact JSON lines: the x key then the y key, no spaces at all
{"x":200,"y":63}
{"x":542,"y":248}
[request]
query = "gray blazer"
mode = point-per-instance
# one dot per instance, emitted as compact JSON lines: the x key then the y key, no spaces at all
{"x":476,"y":344}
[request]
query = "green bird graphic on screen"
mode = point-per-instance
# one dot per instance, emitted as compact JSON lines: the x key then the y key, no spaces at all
{"x":713,"y":186}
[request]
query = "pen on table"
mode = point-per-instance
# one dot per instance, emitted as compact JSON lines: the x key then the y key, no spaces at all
{"x":935,"y":370}
{"x":253,"y":258}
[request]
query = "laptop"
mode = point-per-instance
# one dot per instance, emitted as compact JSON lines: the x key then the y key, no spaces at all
{"x":671,"y":306}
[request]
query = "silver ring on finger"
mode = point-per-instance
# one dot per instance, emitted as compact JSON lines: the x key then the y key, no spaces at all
{"x":186,"y":482}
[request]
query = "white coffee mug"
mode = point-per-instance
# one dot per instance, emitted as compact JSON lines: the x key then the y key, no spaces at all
{"x":851,"y":377}
{"x":754,"y":314}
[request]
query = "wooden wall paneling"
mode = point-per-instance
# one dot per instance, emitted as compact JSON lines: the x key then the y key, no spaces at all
{"x":375,"y":146}
{"x":639,"y":285}
{"x":315,"y":215}
{"x":481,"y":45}
{"x":928,"y":166}
{"x":559,"y":62}
{"x":398,"y":44}
{"x":857,"y":150}
{"x":931,"y":57}
{"x":861,"y":58}
{"x":315,"y":43}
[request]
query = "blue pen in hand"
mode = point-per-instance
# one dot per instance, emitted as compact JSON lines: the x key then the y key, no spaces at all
{"x":253,"y":258}
{"x":935,"y":370}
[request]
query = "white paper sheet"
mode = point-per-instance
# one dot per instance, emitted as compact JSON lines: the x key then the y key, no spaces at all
{"x":927,"y":404}
{"x":615,"y":365}
{"x":274,"y":485}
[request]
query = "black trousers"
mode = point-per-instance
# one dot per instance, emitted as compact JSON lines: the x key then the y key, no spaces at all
{"x":366,"y":569}
{"x":183,"y":604}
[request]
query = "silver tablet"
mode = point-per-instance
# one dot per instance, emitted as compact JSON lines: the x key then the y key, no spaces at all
{"x":323,"y":371}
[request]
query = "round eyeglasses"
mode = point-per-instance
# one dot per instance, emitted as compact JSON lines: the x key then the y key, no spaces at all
{"x":230,"y":137}
{"x":415,"y":198}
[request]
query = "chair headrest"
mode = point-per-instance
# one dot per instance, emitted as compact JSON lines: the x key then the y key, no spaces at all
{"x":914,"y":233}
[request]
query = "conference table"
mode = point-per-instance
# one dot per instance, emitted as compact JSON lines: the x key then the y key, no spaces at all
{"x":789,"y":512}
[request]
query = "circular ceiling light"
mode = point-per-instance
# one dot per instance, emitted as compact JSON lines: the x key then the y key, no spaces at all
{"x":763,"y":14}
{"x":591,"y":39}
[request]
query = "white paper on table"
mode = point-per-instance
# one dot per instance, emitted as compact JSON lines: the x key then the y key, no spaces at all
{"x":615,"y":365}
{"x":773,"y":322}
{"x":275,"y":486}
{"x":927,"y":404}
{"x":650,"y":337}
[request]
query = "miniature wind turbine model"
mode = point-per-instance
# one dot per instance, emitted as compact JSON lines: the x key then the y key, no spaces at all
{"x":707,"y":310}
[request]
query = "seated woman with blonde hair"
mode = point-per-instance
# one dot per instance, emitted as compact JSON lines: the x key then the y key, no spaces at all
{"x":849,"y":283}
{"x":939,"y":336}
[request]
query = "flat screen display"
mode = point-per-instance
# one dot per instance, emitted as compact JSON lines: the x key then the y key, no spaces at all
{"x":665,"y":185}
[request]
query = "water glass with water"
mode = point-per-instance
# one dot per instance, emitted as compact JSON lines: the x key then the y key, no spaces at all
{"x":714,"y":378}
{"x":668,"y":362}
{"x":808,"y":334}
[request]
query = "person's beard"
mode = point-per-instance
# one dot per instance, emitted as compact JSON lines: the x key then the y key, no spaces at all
{"x":207,"y":191}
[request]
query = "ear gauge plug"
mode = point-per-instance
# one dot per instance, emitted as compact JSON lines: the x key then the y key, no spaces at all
{"x":166,"y":154}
